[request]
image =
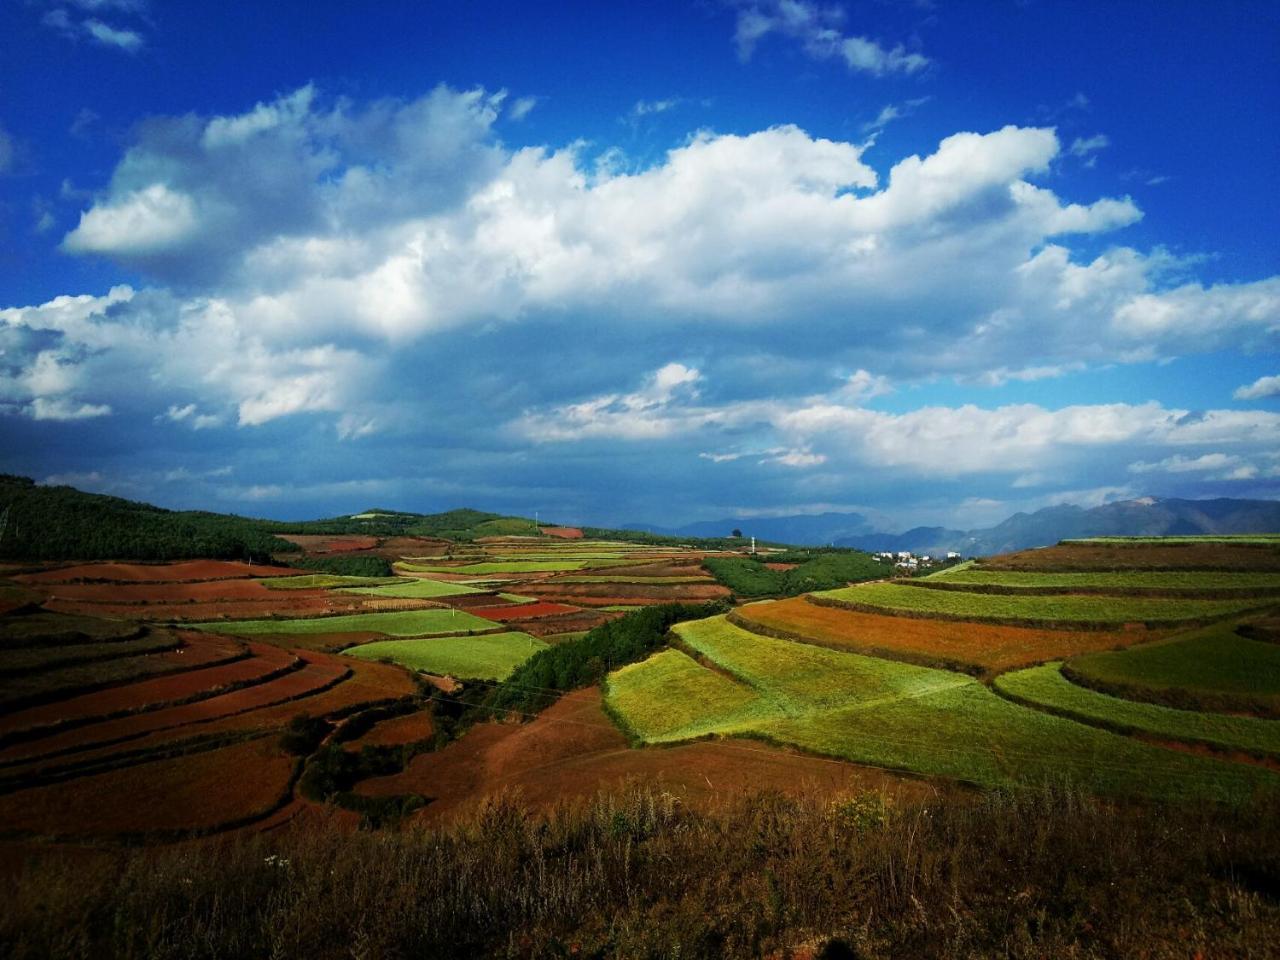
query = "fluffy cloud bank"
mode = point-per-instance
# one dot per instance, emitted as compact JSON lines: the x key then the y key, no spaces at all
{"x":394,"y":266}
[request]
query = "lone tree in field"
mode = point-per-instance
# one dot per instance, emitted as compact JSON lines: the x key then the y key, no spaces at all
{"x":736,"y":533}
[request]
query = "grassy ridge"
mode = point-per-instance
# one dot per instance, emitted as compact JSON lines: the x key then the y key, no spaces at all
{"x":1048,"y":610}
{"x":1046,"y":687}
{"x":487,"y":657}
{"x":396,"y":623}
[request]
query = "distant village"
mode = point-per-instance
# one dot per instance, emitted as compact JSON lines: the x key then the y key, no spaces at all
{"x":908,"y":562}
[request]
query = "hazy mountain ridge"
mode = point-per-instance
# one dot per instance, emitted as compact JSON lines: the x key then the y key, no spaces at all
{"x":1145,"y":516}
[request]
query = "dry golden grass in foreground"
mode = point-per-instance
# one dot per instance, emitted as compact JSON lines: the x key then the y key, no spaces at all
{"x":1040,"y":874}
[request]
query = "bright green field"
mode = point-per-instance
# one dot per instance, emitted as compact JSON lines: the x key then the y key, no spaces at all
{"x":895,"y":715}
{"x":1047,"y":687}
{"x":489,"y":657}
{"x":671,"y":697}
{"x":1124,"y":580}
{"x":1214,"y":661}
{"x":416,"y":589}
{"x":1052,"y":608}
{"x":312,"y":581}
{"x":396,"y":623}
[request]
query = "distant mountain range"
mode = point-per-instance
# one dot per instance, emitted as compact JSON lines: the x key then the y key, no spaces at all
{"x":1146,"y":516}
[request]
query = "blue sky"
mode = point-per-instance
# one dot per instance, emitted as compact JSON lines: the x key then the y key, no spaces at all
{"x":931,"y":261}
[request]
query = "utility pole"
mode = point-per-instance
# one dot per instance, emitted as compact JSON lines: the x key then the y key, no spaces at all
{"x":753,"y":546}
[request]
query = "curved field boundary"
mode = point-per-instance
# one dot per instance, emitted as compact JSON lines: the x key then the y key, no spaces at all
{"x":199,"y":773}
{"x":166,"y":692}
{"x":90,"y":682}
{"x":77,"y":655}
{"x":311,"y":679}
{"x":1045,"y":688}
{"x":1045,"y":623}
{"x":1179,"y":698}
{"x":1155,"y":593}
{"x":871,"y":650}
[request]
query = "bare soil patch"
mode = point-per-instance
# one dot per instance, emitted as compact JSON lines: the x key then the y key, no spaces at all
{"x":1085,"y":557}
{"x":157,"y":572}
{"x":198,"y":792}
{"x":523,"y":611}
{"x":572,"y":750}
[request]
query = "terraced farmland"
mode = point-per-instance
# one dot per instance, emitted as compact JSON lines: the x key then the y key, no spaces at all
{"x":979,"y":648}
{"x":1055,"y":610}
{"x":1045,"y":687}
{"x":485,"y":657}
{"x":1212,"y":669}
{"x":934,"y":722}
{"x":409,"y":623}
{"x":1203,"y":583}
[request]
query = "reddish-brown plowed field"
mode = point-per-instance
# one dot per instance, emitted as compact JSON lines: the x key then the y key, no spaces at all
{"x":988,"y":647}
{"x":564,"y":533}
{"x":398,"y":730}
{"x":631,"y":592}
{"x":642,"y":570}
{"x":158,"y":572}
{"x":201,"y":591}
{"x":330,"y":543}
{"x":369,"y":683}
{"x":782,"y":566}
{"x":197,"y":792}
{"x":135,"y":696}
{"x":569,"y":623}
{"x":281,"y":602}
{"x":295,"y":685}
{"x":1102,"y":556}
{"x":571,"y":750}
{"x":523,"y":611}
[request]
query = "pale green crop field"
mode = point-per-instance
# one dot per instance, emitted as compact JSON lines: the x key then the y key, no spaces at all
{"x":896,"y":715}
{"x":1045,"y":686}
{"x":490,"y":656}
{"x":312,"y":581}
{"x":416,"y":590}
{"x":1046,"y":609}
{"x":1122,"y":580}
{"x":396,"y":623}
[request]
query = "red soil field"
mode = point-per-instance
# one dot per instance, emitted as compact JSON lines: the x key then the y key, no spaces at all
{"x":564,"y":533}
{"x":331,"y":543}
{"x":196,"y":792}
{"x":989,"y":647}
{"x":522,"y":611}
{"x":782,"y":566}
{"x":630,"y":592}
{"x":203,"y":590}
{"x":299,"y":683}
{"x":398,"y":730}
{"x":264,"y":661}
{"x":571,"y":750}
{"x":158,"y":572}
{"x":1102,"y":556}
{"x":569,"y":623}
{"x":278,"y":602}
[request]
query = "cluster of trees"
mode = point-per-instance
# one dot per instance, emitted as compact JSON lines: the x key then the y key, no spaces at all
{"x":538,"y":682}
{"x":823,"y":570}
{"x":62,"y":523}
{"x":346,"y":565}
